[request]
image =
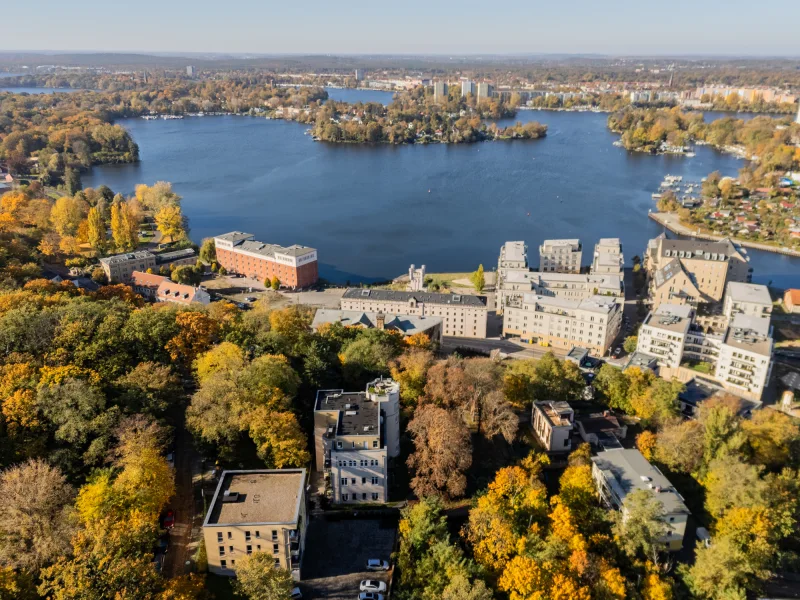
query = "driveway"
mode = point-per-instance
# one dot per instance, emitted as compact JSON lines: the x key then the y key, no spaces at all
{"x":336,"y":552}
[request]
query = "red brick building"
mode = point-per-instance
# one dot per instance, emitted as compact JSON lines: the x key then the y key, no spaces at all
{"x":295,"y":266}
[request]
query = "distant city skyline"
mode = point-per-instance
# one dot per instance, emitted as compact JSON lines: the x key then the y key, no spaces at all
{"x":614,"y":27}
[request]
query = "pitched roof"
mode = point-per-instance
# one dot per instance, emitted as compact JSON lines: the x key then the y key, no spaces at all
{"x":424,"y":297}
{"x":793,"y":295}
{"x":151,"y":280}
{"x":176,"y":292}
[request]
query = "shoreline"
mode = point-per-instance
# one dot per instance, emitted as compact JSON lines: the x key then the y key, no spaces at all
{"x":670,"y":222}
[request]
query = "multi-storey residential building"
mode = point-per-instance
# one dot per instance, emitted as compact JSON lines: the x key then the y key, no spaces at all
{"x":747,"y":299}
{"x":169,"y":291}
{"x":406,"y":325}
{"x":571,"y":286}
{"x":120,"y":267}
{"x":618,"y":473}
{"x":294,"y":266}
{"x":462,"y":315}
{"x":608,"y":258}
{"x":355,"y":434}
{"x":257,"y":511}
{"x":439,"y":91}
{"x":467,"y":87}
{"x":692,"y":271}
{"x":560,"y":256}
{"x":513,"y":258}
{"x":663,"y":333}
{"x":593,"y":323}
{"x":552,"y":424}
{"x":739,"y":352}
{"x":485,"y":91}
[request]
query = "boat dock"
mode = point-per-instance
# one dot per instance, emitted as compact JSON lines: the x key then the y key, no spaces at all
{"x":671,"y":222}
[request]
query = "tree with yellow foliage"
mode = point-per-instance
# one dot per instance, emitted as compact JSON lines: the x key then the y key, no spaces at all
{"x":169,"y":221}
{"x":410,"y":370}
{"x":646,"y":443}
{"x":226,"y":357}
{"x":197,"y":332}
{"x":772,"y":436}
{"x":280,"y":441}
{"x":96,"y":230}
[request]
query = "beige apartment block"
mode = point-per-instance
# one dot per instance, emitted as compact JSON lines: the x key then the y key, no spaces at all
{"x":560,"y":256}
{"x":748,"y":299}
{"x":257,"y":511}
{"x":592,"y":323}
{"x":462,"y":315}
{"x":693,"y":271}
{"x":664,"y":332}
{"x":608,"y":257}
{"x":570,"y":286}
{"x":120,"y":267}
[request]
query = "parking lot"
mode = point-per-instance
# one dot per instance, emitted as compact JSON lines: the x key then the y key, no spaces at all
{"x":336,"y":552}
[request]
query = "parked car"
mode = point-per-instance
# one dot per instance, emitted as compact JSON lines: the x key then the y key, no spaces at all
{"x":168,"y":521}
{"x":295,"y":594}
{"x":370,"y":596}
{"x":371,"y":585}
{"x":376,"y":564}
{"x":251,"y":298}
{"x":171,"y":459}
{"x":617,"y":351}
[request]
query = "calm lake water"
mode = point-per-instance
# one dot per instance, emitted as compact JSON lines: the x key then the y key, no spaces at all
{"x":373,"y":210}
{"x":353,"y":96}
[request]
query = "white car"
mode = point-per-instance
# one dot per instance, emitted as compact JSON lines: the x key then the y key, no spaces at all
{"x":371,"y":585}
{"x":296,"y":594}
{"x":376,"y":564}
{"x":370,"y":596}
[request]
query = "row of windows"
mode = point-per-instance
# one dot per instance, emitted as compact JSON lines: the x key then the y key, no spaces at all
{"x":361,"y":463}
{"x":374,"y":480}
{"x":346,"y":497}
{"x":231,"y":549}
{"x":224,"y":563}
{"x":340,"y":445}
{"x":247,"y":535}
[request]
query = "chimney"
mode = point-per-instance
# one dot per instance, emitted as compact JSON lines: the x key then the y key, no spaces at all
{"x":380,"y":320}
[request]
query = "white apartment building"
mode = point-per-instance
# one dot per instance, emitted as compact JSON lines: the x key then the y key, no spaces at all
{"x":747,"y":299}
{"x":618,"y":473}
{"x":663,"y":333}
{"x":462,"y":315}
{"x":560,"y":256}
{"x":552,"y":424}
{"x":355,"y":434}
{"x":739,"y":353}
{"x":571,"y":286}
{"x":513,"y":259}
{"x":608,"y":257}
{"x":592,"y":323}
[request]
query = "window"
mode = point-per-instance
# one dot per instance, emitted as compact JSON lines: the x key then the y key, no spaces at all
{"x":374,"y":443}
{"x":230,"y":535}
{"x":363,"y":480}
{"x":223,"y":564}
{"x":339,"y":445}
{"x":275,"y":548}
{"x":233,"y":563}
{"x":274,"y":534}
{"x":219,"y":536}
{"x":344,"y":480}
{"x":374,"y":497}
{"x":364,"y":496}
{"x":230,"y":549}
{"x":345,"y":497}
{"x":258,"y":548}
{"x":374,"y":481}
{"x":246,"y":536}
{"x":249,"y":549}
{"x":258,"y":534}
{"x":222,"y":550}
{"x":277,"y":563}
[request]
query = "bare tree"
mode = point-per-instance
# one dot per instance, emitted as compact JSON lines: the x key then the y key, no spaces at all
{"x":497,"y":417}
{"x":443,"y":452}
{"x":35,"y":522}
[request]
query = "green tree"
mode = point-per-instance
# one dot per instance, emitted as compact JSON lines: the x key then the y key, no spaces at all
{"x":258,"y":579}
{"x":640,"y":526}
{"x":275,"y":283}
{"x":208,"y":251}
{"x":629,"y":345}
{"x":72,"y":181}
{"x":187,"y":275}
{"x":478,"y":280}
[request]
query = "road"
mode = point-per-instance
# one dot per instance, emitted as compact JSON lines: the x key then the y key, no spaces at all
{"x":513,"y":349}
{"x":183,"y":503}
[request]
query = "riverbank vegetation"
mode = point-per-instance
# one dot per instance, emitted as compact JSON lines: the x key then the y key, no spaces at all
{"x":415,"y":117}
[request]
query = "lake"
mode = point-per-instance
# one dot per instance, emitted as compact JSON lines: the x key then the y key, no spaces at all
{"x":360,"y":95}
{"x":373,"y":210}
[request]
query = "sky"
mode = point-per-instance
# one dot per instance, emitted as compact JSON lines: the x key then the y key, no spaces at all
{"x":642,"y":27}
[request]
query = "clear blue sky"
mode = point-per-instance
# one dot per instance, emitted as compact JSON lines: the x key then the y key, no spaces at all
{"x":411,"y":26}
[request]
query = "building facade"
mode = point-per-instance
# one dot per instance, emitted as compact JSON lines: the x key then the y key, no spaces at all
{"x":439,"y":91}
{"x":747,"y":299}
{"x":593,"y":323}
{"x":618,"y":473}
{"x":406,"y":325}
{"x":257,"y":511}
{"x":120,"y":267}
{"x":146,"y":284}
{"x":485,"y":91}
{"x":570,"y":286}
{"x":462,"y":315}
{"x":169,"y":291}
{"x":608,"y":258}
{"x":355,"y":434}
{"x":552,"y":424}
{"x":560,"y":256}
{"x":693,"y":271}
{"x":294,"y":266}
{"x":664,"y":332}
{"x":467,"y":87}
{"x":416,"y":279}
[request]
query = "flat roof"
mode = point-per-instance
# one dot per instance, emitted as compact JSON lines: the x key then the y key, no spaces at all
{"x":424,"y":297}
{"x":750,"y":333}
{"x":235,"y":236}
{"x":244,"y":241}
{"x":514,"y":251}
{"x":554,"y":412}
{"x":562,"y":242}
{"x":670,"y":317}
{"x":175,"y":255}
{"x":598,"y":304}
{"x":358,"y":415}
{"x":749,"y":292}
{"x":627,"y":471}
{"x":118,"y":258}
{"x":265,"y":496}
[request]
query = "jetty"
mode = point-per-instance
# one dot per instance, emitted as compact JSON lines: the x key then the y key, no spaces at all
{"x":671,"y":222}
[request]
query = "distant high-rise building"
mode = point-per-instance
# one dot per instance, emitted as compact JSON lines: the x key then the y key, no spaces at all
{"x":439,"y":91}
{"x":485,"y":91}
{"x":359,"y":75}
{"x":190,"y":71}
{"x":467,"y":87}
{"x":797,"y":120}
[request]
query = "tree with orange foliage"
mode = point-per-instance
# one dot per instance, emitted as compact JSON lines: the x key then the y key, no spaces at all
{"x":196,"y":335}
